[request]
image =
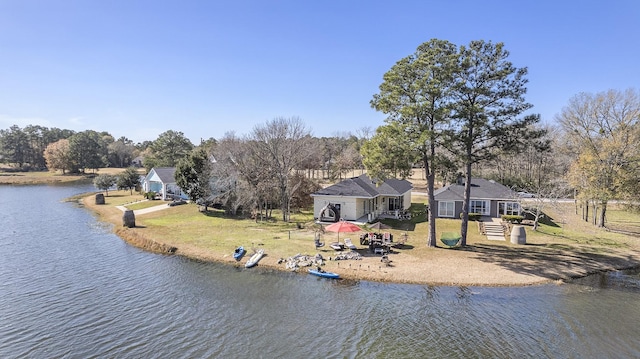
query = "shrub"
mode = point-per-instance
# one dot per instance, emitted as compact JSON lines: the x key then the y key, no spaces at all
{"x":472,"y":216}
{"x":150,"y":195}
{"x":512,"y":218}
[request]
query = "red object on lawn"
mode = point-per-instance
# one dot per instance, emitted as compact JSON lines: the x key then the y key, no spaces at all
{"x":342,"y":226}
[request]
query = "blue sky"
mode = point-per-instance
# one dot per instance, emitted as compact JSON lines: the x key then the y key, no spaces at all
{"x":139,"y":68}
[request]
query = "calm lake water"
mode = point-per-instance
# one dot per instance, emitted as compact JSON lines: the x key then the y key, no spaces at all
{"x":71,"y":289}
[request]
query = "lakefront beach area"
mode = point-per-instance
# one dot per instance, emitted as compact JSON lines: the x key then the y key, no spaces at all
{"x":553,"y":254}
{"x":561,"y":250}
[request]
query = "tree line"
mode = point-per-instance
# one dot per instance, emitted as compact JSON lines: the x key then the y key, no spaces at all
{"x":37,"y":147}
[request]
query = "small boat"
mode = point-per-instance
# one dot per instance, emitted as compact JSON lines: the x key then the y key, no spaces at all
{"x":255,"y":258}
{"x":238,"y":253}
{"x":323,"y":274}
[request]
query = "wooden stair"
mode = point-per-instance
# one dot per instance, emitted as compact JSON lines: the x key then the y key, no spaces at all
{"x":494,"y":230}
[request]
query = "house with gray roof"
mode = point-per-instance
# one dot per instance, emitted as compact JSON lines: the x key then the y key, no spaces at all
{"x":488,"y":198}
{"x":162,"y":181}
{"x":361,"y":199}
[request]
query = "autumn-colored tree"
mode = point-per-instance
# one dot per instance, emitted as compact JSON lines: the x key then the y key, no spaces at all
{"x":58,"y":156}
{"x":603,"y":130}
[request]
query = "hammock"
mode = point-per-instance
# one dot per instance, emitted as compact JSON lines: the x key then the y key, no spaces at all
{"x":450,"y":239}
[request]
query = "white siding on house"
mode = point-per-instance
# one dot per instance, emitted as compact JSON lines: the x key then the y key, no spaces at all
{"x":359,"y":212}
{"x":348,"y":206}
{"x":152,"y":176}
{"x":407,"y":200}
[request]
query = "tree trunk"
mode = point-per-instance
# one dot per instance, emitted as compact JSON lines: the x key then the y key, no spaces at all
{"x":602,"y":217}
{"x":465,"y":206}
{"x":586,"y":211}
{"x":431,"y":240}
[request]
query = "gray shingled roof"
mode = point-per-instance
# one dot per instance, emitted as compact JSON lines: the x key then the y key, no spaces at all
{"x":480,"y":189}
{"x":364,"y":186}
{"x":166,"y":174}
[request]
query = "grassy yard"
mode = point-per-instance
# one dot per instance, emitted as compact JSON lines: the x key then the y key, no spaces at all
{"x":561,"y":240}
{"x":145,"y":204}
{"x":623,"y":220}
{"x":216,"y":231}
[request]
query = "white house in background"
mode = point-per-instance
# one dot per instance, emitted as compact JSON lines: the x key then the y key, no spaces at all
{"x":162,"y":181}
{"x":361,"y":199}
{"x":488,"y":197}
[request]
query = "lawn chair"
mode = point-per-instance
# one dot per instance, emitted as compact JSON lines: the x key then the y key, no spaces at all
{"x":337,"y":246}
{"x":349,"y":244}
{"x":386,"y":237}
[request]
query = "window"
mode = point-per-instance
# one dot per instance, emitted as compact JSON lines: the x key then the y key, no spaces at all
{"x":509,"y":208}
{"x":446,"y":209}
{"x":477,"y":206}
{"x":395,"y":203}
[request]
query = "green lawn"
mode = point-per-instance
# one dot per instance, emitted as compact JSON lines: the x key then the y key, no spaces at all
{"x":145,"y":204}
{"x":219,"y":233}
{"x":620,"y":219}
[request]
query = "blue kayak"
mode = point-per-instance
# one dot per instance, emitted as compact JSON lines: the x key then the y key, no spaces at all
{"x":238,"y":253}
{"x":324,"y":274}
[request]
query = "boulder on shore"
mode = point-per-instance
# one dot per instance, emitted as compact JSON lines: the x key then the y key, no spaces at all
{"x":129,"y":219}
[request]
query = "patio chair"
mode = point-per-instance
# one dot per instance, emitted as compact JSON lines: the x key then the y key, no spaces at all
{"x":386,"y":237}
{"x":349,"y":244}
{"x":336,"y":246}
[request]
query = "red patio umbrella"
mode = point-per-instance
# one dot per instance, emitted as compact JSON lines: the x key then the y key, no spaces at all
{"x":342,"y":226}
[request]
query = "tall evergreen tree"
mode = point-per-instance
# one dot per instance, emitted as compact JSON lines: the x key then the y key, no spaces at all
{"x":488,"y":95}
{"x":88,"y":150}
{"x":416,"y":94}
{"x":14,"y":146}
{"x":193,"y":174}
{"x":168,"y":149}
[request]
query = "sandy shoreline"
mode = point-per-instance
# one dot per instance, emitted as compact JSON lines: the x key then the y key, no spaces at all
{"x":478,"y":264}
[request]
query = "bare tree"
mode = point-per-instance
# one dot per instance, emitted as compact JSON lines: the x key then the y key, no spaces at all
{"x":545,"y":195}
{"x":282,"y":145}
